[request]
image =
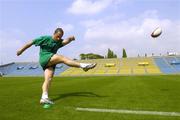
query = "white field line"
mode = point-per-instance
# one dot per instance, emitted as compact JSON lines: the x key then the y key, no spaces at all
{"x":129,"y":111}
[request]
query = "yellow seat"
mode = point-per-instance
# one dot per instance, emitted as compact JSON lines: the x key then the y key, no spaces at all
{"x":143,"y":63}
{"x":125,"y":71}
{"x":153,"y":71}
{"x":139,"y":71}
{"x":110,"y":65}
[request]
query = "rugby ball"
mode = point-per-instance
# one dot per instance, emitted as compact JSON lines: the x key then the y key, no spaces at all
{"x":157,"y":32}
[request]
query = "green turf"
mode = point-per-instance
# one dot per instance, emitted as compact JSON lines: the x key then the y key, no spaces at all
{"x":19,"y":97}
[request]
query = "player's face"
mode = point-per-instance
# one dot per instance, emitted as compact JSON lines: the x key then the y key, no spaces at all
{"x":58,"y":36}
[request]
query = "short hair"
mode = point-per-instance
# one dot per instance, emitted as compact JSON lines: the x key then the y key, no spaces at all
{"x":58,"y":30}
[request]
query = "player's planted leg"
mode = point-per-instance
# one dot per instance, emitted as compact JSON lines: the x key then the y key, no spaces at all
{"x":48,"y":75}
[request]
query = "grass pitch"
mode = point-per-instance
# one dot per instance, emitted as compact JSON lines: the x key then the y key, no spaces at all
{"x":19,"y":97}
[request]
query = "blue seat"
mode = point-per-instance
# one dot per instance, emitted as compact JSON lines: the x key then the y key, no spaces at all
{"x":28,"y":69}
{"x":164,"y":65}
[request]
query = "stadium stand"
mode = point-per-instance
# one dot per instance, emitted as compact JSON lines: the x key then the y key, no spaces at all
{"x":125,"y":66}
{"x":174,"y":63}
{"x":122,"y":66}
{"x":104,"y":67}
{"x":136,"y":68}
{"x":112,"y":66}
{"x":27,"y":69}
{"x":152,"y":68}
{"x":6,"y":68}
{"x":164,"y":65}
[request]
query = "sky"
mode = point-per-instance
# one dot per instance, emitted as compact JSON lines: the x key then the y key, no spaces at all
{"x":96,"y":24}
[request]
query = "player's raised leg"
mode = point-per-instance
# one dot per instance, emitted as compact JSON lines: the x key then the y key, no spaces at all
{"x":48,"y":75}
{"x":55,"y":59}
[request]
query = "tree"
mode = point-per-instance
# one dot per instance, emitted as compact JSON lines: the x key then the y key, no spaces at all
{"x":82,"y":56}
{"x":90,"y":56}
{"x":111,"y":54}
{"x":124,"y":53}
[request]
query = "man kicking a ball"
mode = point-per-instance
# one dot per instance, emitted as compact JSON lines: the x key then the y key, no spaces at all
{"x":48,"y":58}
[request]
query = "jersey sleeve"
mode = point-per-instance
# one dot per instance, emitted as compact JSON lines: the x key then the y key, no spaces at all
{"x":38,"y":41}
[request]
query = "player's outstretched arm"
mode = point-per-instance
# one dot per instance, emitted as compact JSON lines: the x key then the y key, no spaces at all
{"x":68,"y":40}
{"x":20,"y":51}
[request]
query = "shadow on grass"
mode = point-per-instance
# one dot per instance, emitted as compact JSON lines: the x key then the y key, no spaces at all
{"x":78,"y":94}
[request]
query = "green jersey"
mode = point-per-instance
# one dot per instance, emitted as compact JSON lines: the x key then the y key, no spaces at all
{"x":48,"y":47}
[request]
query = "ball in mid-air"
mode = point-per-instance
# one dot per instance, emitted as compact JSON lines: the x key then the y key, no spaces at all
{"x":157,"y":32}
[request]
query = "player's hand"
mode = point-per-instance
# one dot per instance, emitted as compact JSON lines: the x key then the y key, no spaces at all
{"x":19,"y":52}
{"x":72,"y":38}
